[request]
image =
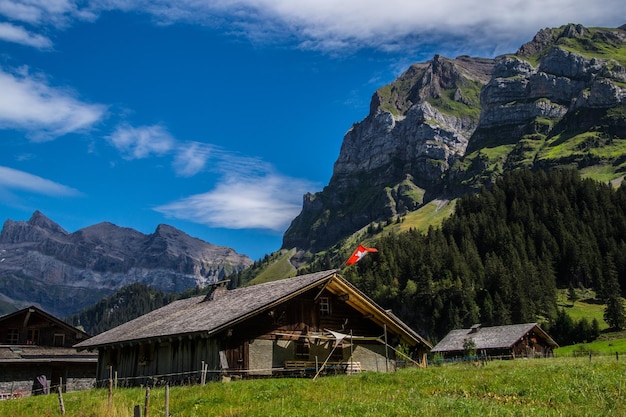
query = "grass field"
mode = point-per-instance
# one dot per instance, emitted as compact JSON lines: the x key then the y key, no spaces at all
{"x":586,"y":306}
{"x":539,"y":387}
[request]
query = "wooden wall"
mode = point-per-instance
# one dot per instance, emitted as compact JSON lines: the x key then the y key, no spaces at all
{"x":177,"y":360}
{"x":289,"y":331}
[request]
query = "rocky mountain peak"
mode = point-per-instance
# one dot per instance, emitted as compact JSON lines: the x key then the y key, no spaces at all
{"x":440,"y":78}
{"x":418,"y":126}
{"x":40,"y":220}
{"x":37,"y":228}
{"x":448,"y":125}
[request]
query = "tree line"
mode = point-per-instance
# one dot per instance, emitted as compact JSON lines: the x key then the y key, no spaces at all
{"x":500,"y":258}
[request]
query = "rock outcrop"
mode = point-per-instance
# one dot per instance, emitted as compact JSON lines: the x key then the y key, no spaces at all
{"x":64,"y":272}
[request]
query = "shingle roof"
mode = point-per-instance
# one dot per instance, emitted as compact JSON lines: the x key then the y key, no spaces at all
{"x":199,"y":315}
{"x":34,"y":353}
{"x":47,"y":316}
{"x":195,"y":315}
{"x":497,"y":337}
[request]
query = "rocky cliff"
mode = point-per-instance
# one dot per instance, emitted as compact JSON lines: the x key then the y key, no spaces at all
{"x":64,"y":272}
{"x":448,"y":126}
{"x":559,"y":101}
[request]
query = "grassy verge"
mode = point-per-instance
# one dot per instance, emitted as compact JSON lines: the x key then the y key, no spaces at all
{"x":546,"y":387}
{"x":597,"y":347}
{"x":585,"y":307}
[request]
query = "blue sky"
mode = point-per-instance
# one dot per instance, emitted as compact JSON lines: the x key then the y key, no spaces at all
{"x":215,"y":116}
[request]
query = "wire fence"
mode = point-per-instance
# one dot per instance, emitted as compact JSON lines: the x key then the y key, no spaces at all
{"x":297,"y":369}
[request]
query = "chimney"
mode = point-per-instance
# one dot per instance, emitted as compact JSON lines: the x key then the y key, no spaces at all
{"x":216,"y":290}
{"x":475,"y":328}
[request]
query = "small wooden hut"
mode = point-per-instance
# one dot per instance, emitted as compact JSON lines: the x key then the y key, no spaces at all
{"x":513,"y":341}
{"x":36,"y":351}
{"x":303,"y":324}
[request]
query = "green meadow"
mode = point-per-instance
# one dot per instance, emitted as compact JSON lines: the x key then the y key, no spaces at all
{"x":537,"y":387}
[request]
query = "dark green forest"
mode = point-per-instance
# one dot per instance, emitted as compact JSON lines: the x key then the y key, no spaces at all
{"x":127,"y":303}
{"x":501,"y":257}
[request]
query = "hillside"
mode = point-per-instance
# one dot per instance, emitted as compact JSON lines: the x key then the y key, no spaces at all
{"x":501,"y":256}
{"x":64,"y":272}
{"x":449,"y":126}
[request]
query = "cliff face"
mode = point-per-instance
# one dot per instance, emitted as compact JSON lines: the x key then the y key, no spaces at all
{"x":559,"y":101}
{"x":417,"y":128}
{"x":64,"y":272}
{"x":450,"y":125}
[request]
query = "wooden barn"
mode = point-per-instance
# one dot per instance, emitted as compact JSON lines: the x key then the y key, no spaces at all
{"x":36,"y":352}
{"x":307,"y":324}
{"x":513,"y":341}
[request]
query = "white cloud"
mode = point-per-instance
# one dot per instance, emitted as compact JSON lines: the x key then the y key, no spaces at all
{"x":250,"y":196}
{"x":46,"y":12}
{"x":191,"y":158}
{"x":18,"y":34}
{"x":44,"y":111}
{"x":343,"y":25}
{"x":19,"y":180}
{"x":142,"y":142}
{"x":333,"y":25}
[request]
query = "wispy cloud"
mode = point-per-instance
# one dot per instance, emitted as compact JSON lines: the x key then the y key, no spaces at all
{"x":47,"y":12}
{"x":249,"y":196}
{"x":29,"y":103}
{"x":191,"y":158}
{"x":19,"y":180}
{"x":142,"y":142}
{"x":249,"y":192}
{"x":17,"y":34}
{"x":333,"y":25}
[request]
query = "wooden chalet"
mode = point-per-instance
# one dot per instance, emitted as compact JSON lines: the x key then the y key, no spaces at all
{"x":36,"y":351}
{"x":307,"y":324}
{"x":514,"y":341}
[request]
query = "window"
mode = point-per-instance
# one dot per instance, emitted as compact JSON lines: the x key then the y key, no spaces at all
{"x":325,"y":306}
{"x":302,"y":350}
{"x":13,"y":336}
{"x":59,"y":339}
{"x":33,"y":337}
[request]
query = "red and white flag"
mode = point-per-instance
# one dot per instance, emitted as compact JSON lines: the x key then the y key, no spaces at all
{"x":359,"y":253}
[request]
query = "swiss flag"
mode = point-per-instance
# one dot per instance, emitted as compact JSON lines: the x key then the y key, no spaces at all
{"x":359,"y":253}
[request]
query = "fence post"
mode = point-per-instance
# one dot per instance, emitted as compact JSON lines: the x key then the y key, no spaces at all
{"x":137,"y":411}
{"x":167,"y":400}
{"x":110,"y":386}
{"x":146,"y":410}
{"x":61,"y":405}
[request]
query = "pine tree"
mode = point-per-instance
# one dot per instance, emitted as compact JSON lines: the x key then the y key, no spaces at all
{"x":614,"y":313}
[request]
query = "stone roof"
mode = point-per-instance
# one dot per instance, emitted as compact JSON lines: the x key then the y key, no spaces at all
{"x":209,"y":315}
{"x":497,"y":337}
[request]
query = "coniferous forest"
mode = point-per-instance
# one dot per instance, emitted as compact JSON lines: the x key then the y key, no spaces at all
{"x":501,"y":257}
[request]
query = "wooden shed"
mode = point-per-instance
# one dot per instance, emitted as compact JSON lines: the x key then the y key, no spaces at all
{"x":513,"y":341}
{"x":36,"y":351}
{"x":292,"y":325}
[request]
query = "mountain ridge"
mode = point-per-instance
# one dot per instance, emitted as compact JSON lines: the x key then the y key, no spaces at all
{"x":65,"y":272}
